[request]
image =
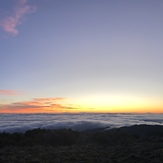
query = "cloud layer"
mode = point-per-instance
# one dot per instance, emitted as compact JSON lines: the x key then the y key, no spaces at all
{"x":80,"y":122}
{"x":10,"y":23}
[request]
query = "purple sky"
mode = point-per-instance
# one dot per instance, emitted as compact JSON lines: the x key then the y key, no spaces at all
{"x":81,"y":48}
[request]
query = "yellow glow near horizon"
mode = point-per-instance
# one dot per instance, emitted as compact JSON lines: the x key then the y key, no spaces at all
{"x":118,"y":103}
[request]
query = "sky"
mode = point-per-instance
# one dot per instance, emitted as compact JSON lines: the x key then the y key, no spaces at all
{"x":81,"y":56}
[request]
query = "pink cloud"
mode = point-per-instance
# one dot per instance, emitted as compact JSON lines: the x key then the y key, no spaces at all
{"x":10,"y":23}
{"x":10,"y":92}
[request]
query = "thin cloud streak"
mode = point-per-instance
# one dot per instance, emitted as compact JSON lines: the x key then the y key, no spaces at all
{"x":10,"y":23}
{"x":10,"y":92}
{"x":50,"y":99}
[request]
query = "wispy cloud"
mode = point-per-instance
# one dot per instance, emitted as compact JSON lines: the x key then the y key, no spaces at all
{"x":10,"y":92}
{"x":50,"y":99}
{"x":10,"y":23}
{"x":37,"y":105}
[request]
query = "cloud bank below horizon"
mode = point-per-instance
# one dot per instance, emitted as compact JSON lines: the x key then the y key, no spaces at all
{"x":80,"y":122}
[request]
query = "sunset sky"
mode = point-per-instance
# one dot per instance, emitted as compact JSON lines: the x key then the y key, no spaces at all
{"x":81,"y":56}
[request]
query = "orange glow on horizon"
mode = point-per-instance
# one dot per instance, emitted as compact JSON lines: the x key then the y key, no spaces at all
{"x":156,"y":110}
{"x":89,"y":104}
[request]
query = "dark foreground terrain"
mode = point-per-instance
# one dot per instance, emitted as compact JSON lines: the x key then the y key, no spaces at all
{"x":135,"y":144}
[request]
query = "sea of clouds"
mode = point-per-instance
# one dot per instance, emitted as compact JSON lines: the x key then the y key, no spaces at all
{"x":80,"y":122}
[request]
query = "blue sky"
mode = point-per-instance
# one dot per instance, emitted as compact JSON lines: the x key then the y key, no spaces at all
{"x":82,"y":49}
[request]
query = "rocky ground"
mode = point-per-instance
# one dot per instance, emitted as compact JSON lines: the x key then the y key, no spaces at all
{"x":116,"y":146}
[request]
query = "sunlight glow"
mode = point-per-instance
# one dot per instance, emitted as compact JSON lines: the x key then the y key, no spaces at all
{"x":118,"y":103}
